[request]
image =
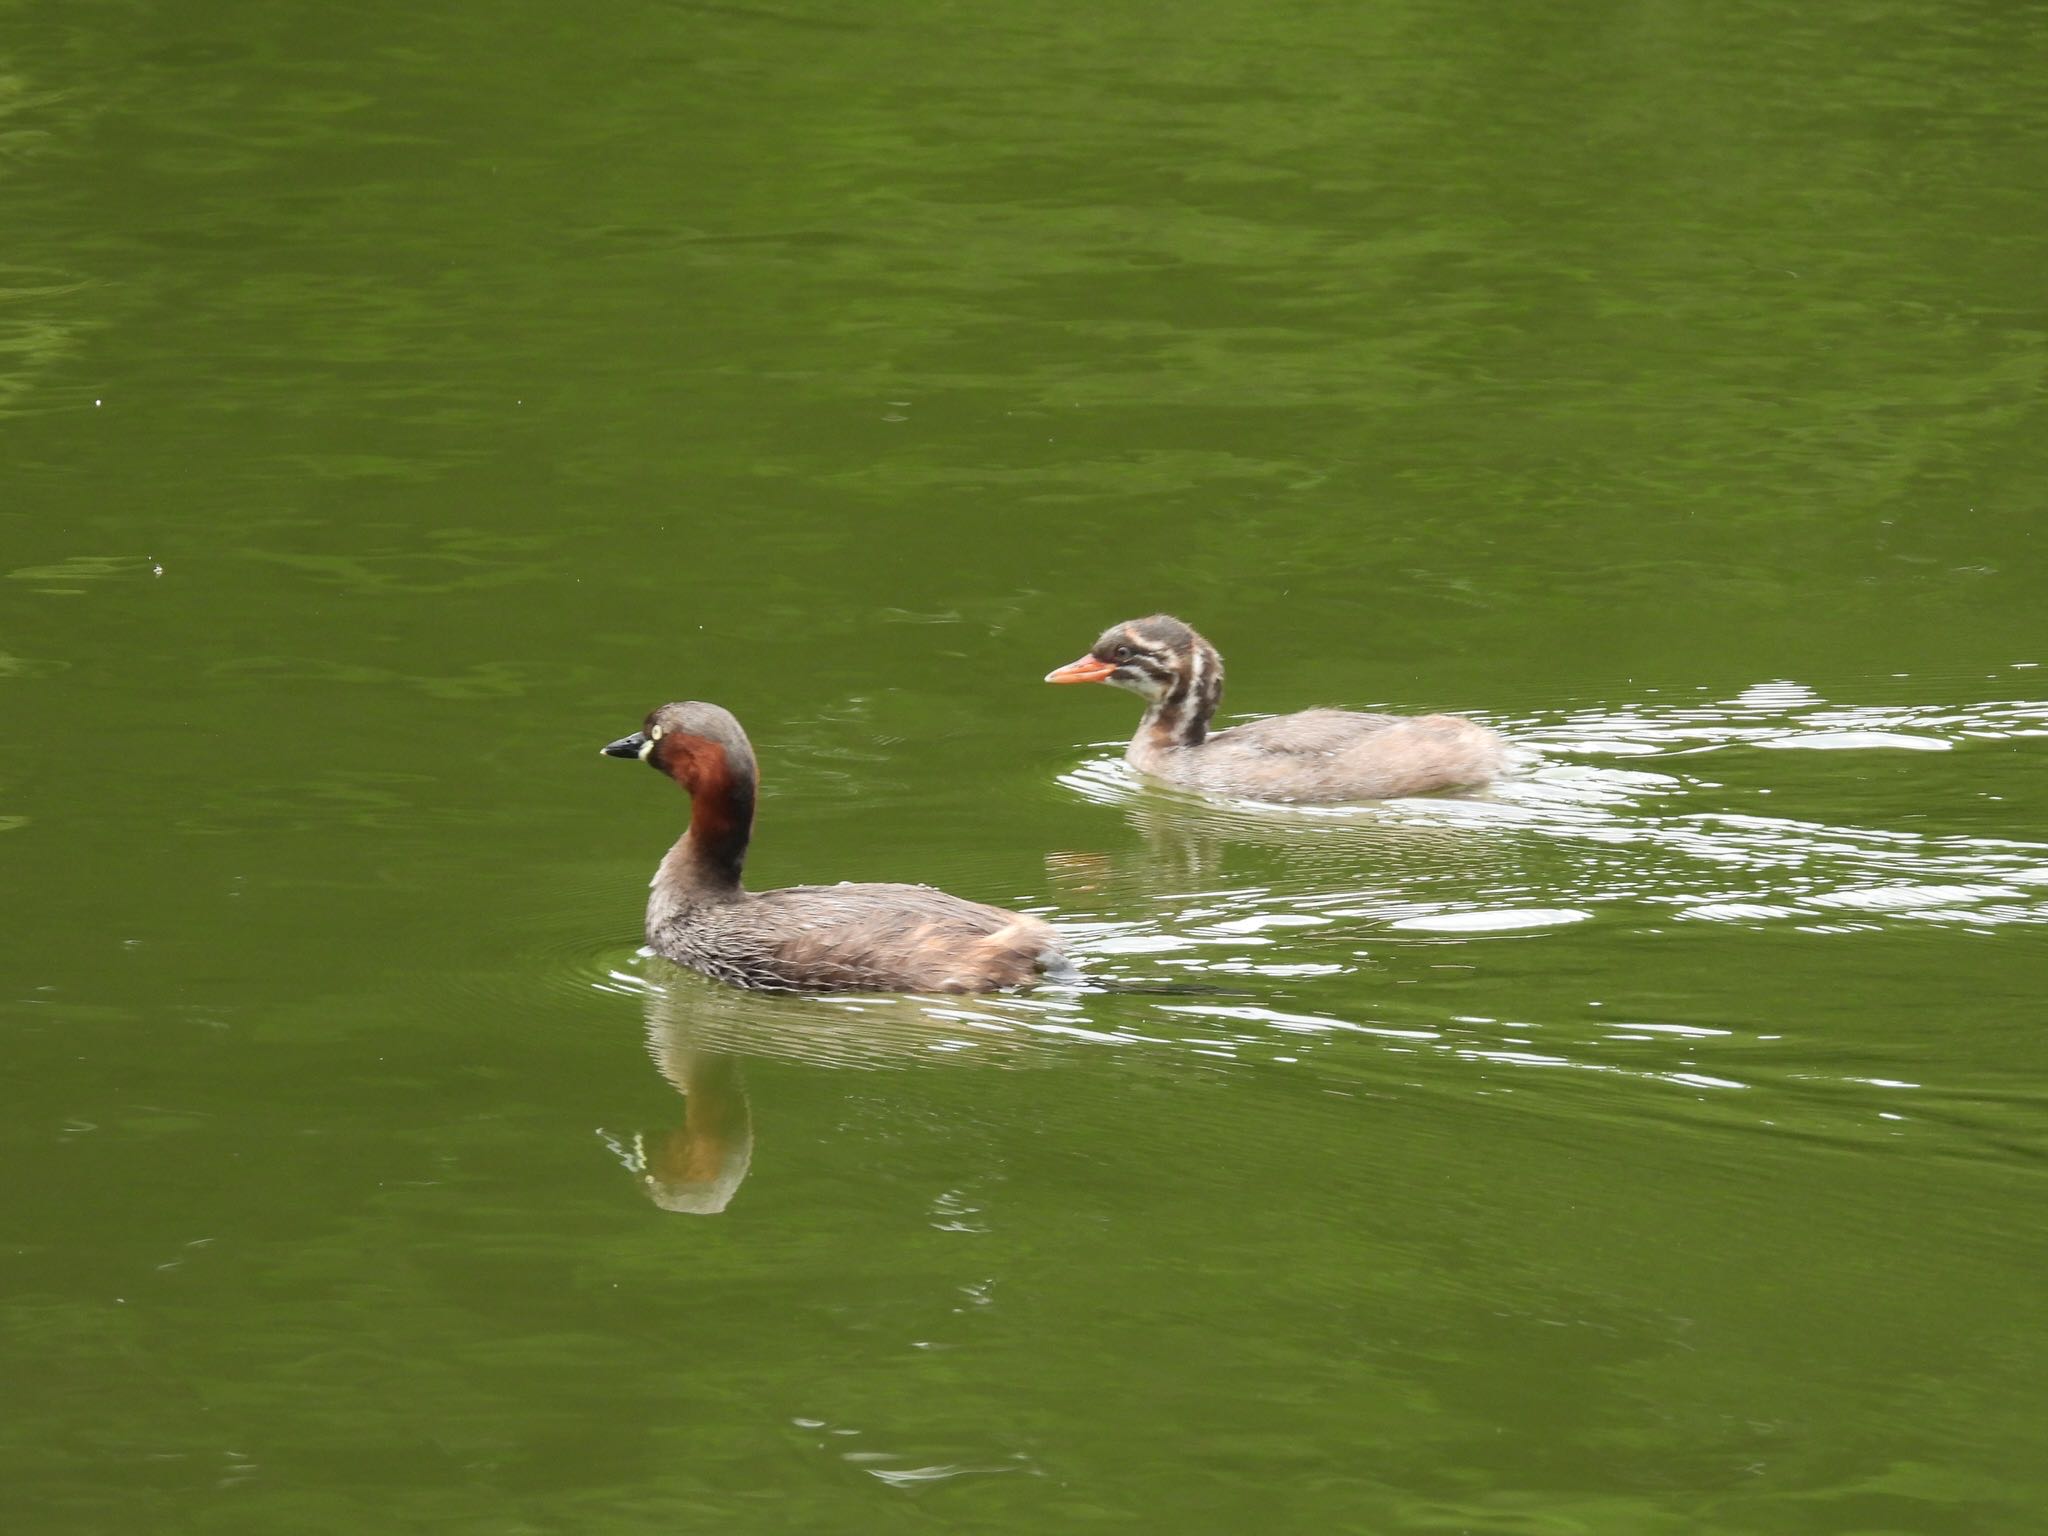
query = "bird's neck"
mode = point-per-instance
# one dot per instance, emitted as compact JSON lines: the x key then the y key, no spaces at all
{"x":1169,"y":729}
{"x":706,"y":861}
{"x":1181,"y":717}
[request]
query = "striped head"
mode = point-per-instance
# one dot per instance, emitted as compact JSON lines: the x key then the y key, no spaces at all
{"x":1174,"y":670}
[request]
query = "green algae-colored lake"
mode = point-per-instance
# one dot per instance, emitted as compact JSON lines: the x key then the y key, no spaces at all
{"x":397,"y":402}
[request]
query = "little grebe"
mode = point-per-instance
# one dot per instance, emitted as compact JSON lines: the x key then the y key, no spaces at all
{"x":1318,"y":756}
{"x":878,"y":938}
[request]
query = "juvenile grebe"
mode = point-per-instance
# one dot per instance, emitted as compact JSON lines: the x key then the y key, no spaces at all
{"x":877,"y":938}
{"x":1319,"y":756}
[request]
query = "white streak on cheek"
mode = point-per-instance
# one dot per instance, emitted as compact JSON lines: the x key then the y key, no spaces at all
{"x":1144,"y":685}
{"x":647,"y":747}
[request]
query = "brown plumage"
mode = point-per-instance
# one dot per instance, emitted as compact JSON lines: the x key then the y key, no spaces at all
{"x":1325,"y":756}
{"x":870,"y":938}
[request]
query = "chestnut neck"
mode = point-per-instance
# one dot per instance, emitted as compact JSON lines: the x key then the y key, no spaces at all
{"x":707,"y":859}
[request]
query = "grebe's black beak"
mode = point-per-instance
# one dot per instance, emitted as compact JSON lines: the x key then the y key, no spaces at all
{"x":634,"y":745}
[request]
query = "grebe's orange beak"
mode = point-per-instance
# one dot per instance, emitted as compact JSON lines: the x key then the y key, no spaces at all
{"x":1089,"y":669}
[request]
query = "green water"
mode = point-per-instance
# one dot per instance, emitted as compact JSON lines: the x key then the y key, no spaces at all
{"x":396,"y":402}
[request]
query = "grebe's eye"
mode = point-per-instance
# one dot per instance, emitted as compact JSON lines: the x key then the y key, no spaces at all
{"x":1123,"y":653}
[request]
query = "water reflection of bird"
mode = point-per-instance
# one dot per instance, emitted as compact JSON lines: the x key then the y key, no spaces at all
{"x":1319,"y":756}
{"x":697,"y":1167}
{"x":697,"y":1034}
{"x":1323,"y":852}
{"x":1277,"y":859}
{"x":873,"y":938}
{"x":686,"y":1012}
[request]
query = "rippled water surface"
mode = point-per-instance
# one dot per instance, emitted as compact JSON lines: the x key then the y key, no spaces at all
{"x":398,"y":402}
